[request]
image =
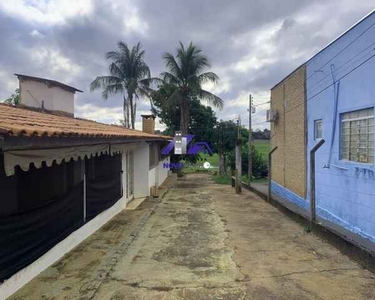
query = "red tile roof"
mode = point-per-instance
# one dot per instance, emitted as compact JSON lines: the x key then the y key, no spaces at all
{"x":17,"y":121}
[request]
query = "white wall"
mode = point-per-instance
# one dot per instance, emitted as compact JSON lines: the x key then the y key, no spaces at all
{"x":163,"y":172}
{"x":141,"y":170}
{"x":55,"y":98}
{"x":152,"y":177}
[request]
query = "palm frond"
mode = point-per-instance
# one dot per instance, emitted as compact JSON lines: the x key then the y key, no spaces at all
{"x":208,"y":77}
{"x":172,"y":65}
{"x":152,"y":81}
{"x":103,"y":81}
{"x":116,"y":70}
{"x":112,"y":89}
{"x":113,"y":55}
{"x":212,"y":99}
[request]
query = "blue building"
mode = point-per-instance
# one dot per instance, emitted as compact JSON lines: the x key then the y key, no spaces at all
{"x":338,"y":102}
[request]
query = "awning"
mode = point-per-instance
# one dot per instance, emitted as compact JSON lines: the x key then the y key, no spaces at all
{"x":23,"y":158}
{"x":120,"y":148}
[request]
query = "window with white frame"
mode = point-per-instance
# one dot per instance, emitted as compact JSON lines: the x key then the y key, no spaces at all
{"x":357,"y":136}
{"x":318,"y":131}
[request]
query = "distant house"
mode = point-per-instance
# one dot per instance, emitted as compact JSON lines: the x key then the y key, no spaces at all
{"x":46,"y":93}
{"x":62,"y":178}
{"x":330,"y":97}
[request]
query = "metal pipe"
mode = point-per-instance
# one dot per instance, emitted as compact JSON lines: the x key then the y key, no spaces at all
{"x":312,"y":182}
{"x":270,"y":172}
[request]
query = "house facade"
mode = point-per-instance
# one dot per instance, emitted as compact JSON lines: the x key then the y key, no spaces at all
{"x":338,"y":95}
{"x":61,"y":179}
{"x":46,"y":93}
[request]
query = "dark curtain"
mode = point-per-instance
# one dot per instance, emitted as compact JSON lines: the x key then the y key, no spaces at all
{"x":28,"y":234}
{"x":103,"y":183}
{"x":102,"y":194}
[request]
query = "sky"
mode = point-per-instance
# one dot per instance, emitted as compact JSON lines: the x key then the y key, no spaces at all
{"x":251,"y":44}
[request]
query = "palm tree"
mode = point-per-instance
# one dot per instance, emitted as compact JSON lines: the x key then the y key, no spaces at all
{"x":129,"y":76}
{"x":185,"y":72}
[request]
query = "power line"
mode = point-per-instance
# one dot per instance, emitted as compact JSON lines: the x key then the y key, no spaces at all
{"x":259,"y":104}
{"x":351,"y":71}
{"x":302,"y":85}
{"x":328,"y":75}
{"x":342,"y":50}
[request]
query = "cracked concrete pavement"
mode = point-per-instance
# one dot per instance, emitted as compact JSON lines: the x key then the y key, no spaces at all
{"x":201,"y":241}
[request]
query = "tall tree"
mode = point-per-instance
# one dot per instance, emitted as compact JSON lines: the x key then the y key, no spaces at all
{"x":202,"y":118}
{"x":129,"y":76}
{"x":186,"y":74}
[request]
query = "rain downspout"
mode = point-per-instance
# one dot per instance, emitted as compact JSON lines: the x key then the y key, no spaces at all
{"x":336,"y":89}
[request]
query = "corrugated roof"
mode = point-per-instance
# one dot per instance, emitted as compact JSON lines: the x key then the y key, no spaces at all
{"x":49,"y":81}
{"x":16,"y":121}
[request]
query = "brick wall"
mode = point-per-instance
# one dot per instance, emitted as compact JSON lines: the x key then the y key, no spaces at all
{"x":289,"y":133}
{"x":148,"y":125}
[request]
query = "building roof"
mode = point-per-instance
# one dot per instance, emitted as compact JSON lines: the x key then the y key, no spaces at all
{"x":17,"y":121}
{"x":49,"y":82}
{"x":336,"y":39}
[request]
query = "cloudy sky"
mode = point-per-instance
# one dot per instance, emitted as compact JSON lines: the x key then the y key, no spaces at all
{"x":252,"y":44}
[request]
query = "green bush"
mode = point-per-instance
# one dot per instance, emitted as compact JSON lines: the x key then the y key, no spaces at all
{"x":259,"y":165}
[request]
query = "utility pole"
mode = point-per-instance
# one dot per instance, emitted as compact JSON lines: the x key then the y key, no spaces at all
{"x":249,"y":154}
{"x":221,"y":156}
{"x":238,"y":158}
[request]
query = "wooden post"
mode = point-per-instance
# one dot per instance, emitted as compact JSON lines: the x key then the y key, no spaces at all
{"x":270,"y":172}
{"x":238,"y":167}
{"x":221,"y":156}
{"x":312,"y":183}
{"x":249,"y":154}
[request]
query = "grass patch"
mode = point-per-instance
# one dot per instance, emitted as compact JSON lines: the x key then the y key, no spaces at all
{"x":221,"y":179}
{"x":213,"y":160}
{"x":226,"y":179}
{"x":263,"y":147}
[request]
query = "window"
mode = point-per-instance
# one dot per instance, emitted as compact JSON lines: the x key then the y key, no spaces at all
{"x":318,"y":130}
{"x":357,"y":136}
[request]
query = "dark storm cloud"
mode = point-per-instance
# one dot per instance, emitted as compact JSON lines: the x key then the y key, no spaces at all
{"x":251,"y":44}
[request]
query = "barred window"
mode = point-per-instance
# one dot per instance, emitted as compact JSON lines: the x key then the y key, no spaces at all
{"x":357,"y":136}
{"x":318,"y":130}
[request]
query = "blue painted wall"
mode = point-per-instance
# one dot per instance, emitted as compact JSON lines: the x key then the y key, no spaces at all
{"x":345,"y":192}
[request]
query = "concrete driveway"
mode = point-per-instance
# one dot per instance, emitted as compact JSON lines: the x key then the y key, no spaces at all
{"x":201,"y":241}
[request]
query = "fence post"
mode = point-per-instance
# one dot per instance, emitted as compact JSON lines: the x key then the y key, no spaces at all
{"x":312,"y":183}
{"x":238,"y":167}
{"x":270,"y":172}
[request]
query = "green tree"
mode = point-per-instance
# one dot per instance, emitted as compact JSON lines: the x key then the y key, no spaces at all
{"x":202,"y":119}
{"x":228,"y":133}
{"x":14,"y":99}
{"x":186,"y":74}
{"x":129,"y":76}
